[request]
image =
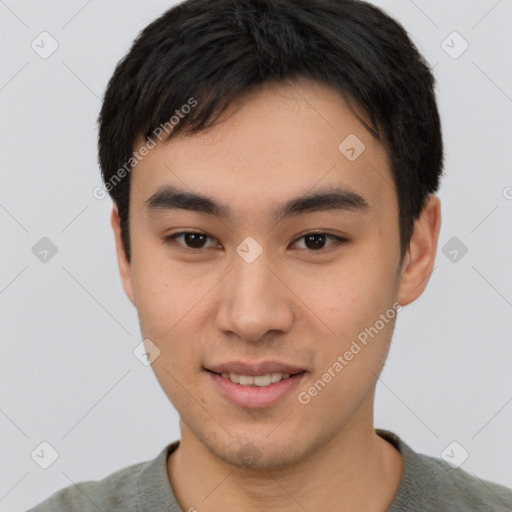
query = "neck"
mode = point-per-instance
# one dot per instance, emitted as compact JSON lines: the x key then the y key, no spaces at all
{"x":336,"y":477}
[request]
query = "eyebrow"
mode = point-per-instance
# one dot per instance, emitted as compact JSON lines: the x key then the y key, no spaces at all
{"x":333,"y":198}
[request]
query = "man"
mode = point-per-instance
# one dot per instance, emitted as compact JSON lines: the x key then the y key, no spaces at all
{"x":273,"y":166}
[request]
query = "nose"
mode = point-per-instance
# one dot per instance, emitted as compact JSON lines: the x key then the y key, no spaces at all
{"x":254,"y":300}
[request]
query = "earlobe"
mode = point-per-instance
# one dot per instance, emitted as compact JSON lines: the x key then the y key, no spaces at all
{"x":125,"y":269}
{"x":420,"y":258}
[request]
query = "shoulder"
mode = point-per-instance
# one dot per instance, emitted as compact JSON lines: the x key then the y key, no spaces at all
{"x":430,"y":484}
{"x":458,"y":490}
{"x":116,"y":492}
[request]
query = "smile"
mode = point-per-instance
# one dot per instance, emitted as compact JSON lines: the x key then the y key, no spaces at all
{"x":258,"y":380}
{"x":258,"y":391}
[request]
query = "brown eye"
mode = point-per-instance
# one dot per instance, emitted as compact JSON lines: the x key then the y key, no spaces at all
{"x":316,"y":241}
{"x":190,"y":240}
{"x":195,"y":240}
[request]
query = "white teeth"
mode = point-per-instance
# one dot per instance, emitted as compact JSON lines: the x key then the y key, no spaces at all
{"x":263,"y":380}
{"x":258,"y":380}
{"x":246,"y":380}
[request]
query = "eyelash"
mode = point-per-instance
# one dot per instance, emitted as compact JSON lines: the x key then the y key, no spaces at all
{"x":337,"y":241}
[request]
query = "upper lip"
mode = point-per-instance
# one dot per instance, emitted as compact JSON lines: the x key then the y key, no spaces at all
{"x":254,"y":369}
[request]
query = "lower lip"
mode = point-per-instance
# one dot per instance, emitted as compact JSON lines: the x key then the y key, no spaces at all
{"x":256,"y":397}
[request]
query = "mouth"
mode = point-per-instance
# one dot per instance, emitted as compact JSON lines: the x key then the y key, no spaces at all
{"x":261,"y":381}
{"x":255,"y":386}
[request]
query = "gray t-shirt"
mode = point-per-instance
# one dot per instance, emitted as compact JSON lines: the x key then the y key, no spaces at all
{"x":428,"y":484}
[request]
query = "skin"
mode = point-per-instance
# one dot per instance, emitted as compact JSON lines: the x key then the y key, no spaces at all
{"x":292,"y":304}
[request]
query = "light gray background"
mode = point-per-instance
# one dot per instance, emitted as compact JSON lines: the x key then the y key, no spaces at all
{"x":68,"y":375}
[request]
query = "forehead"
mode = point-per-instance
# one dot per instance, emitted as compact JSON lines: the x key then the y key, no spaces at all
{"x":277,"y":142}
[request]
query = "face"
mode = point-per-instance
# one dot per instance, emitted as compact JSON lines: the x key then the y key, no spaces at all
{"x":262,"y":280}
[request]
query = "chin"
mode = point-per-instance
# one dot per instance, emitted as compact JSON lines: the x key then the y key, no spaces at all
{"x":258,"y":453}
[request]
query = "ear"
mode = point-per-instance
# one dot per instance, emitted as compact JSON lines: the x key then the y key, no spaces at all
{"x":125,"y":269}
{"x":419,"y":260}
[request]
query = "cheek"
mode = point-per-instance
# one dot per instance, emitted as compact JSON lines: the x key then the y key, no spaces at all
{"x":350,"y":296}
{"x":350,"y":302}
{"x":161,"y":296}
{"x":172,"y":307}
{"x":154,"y":301}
